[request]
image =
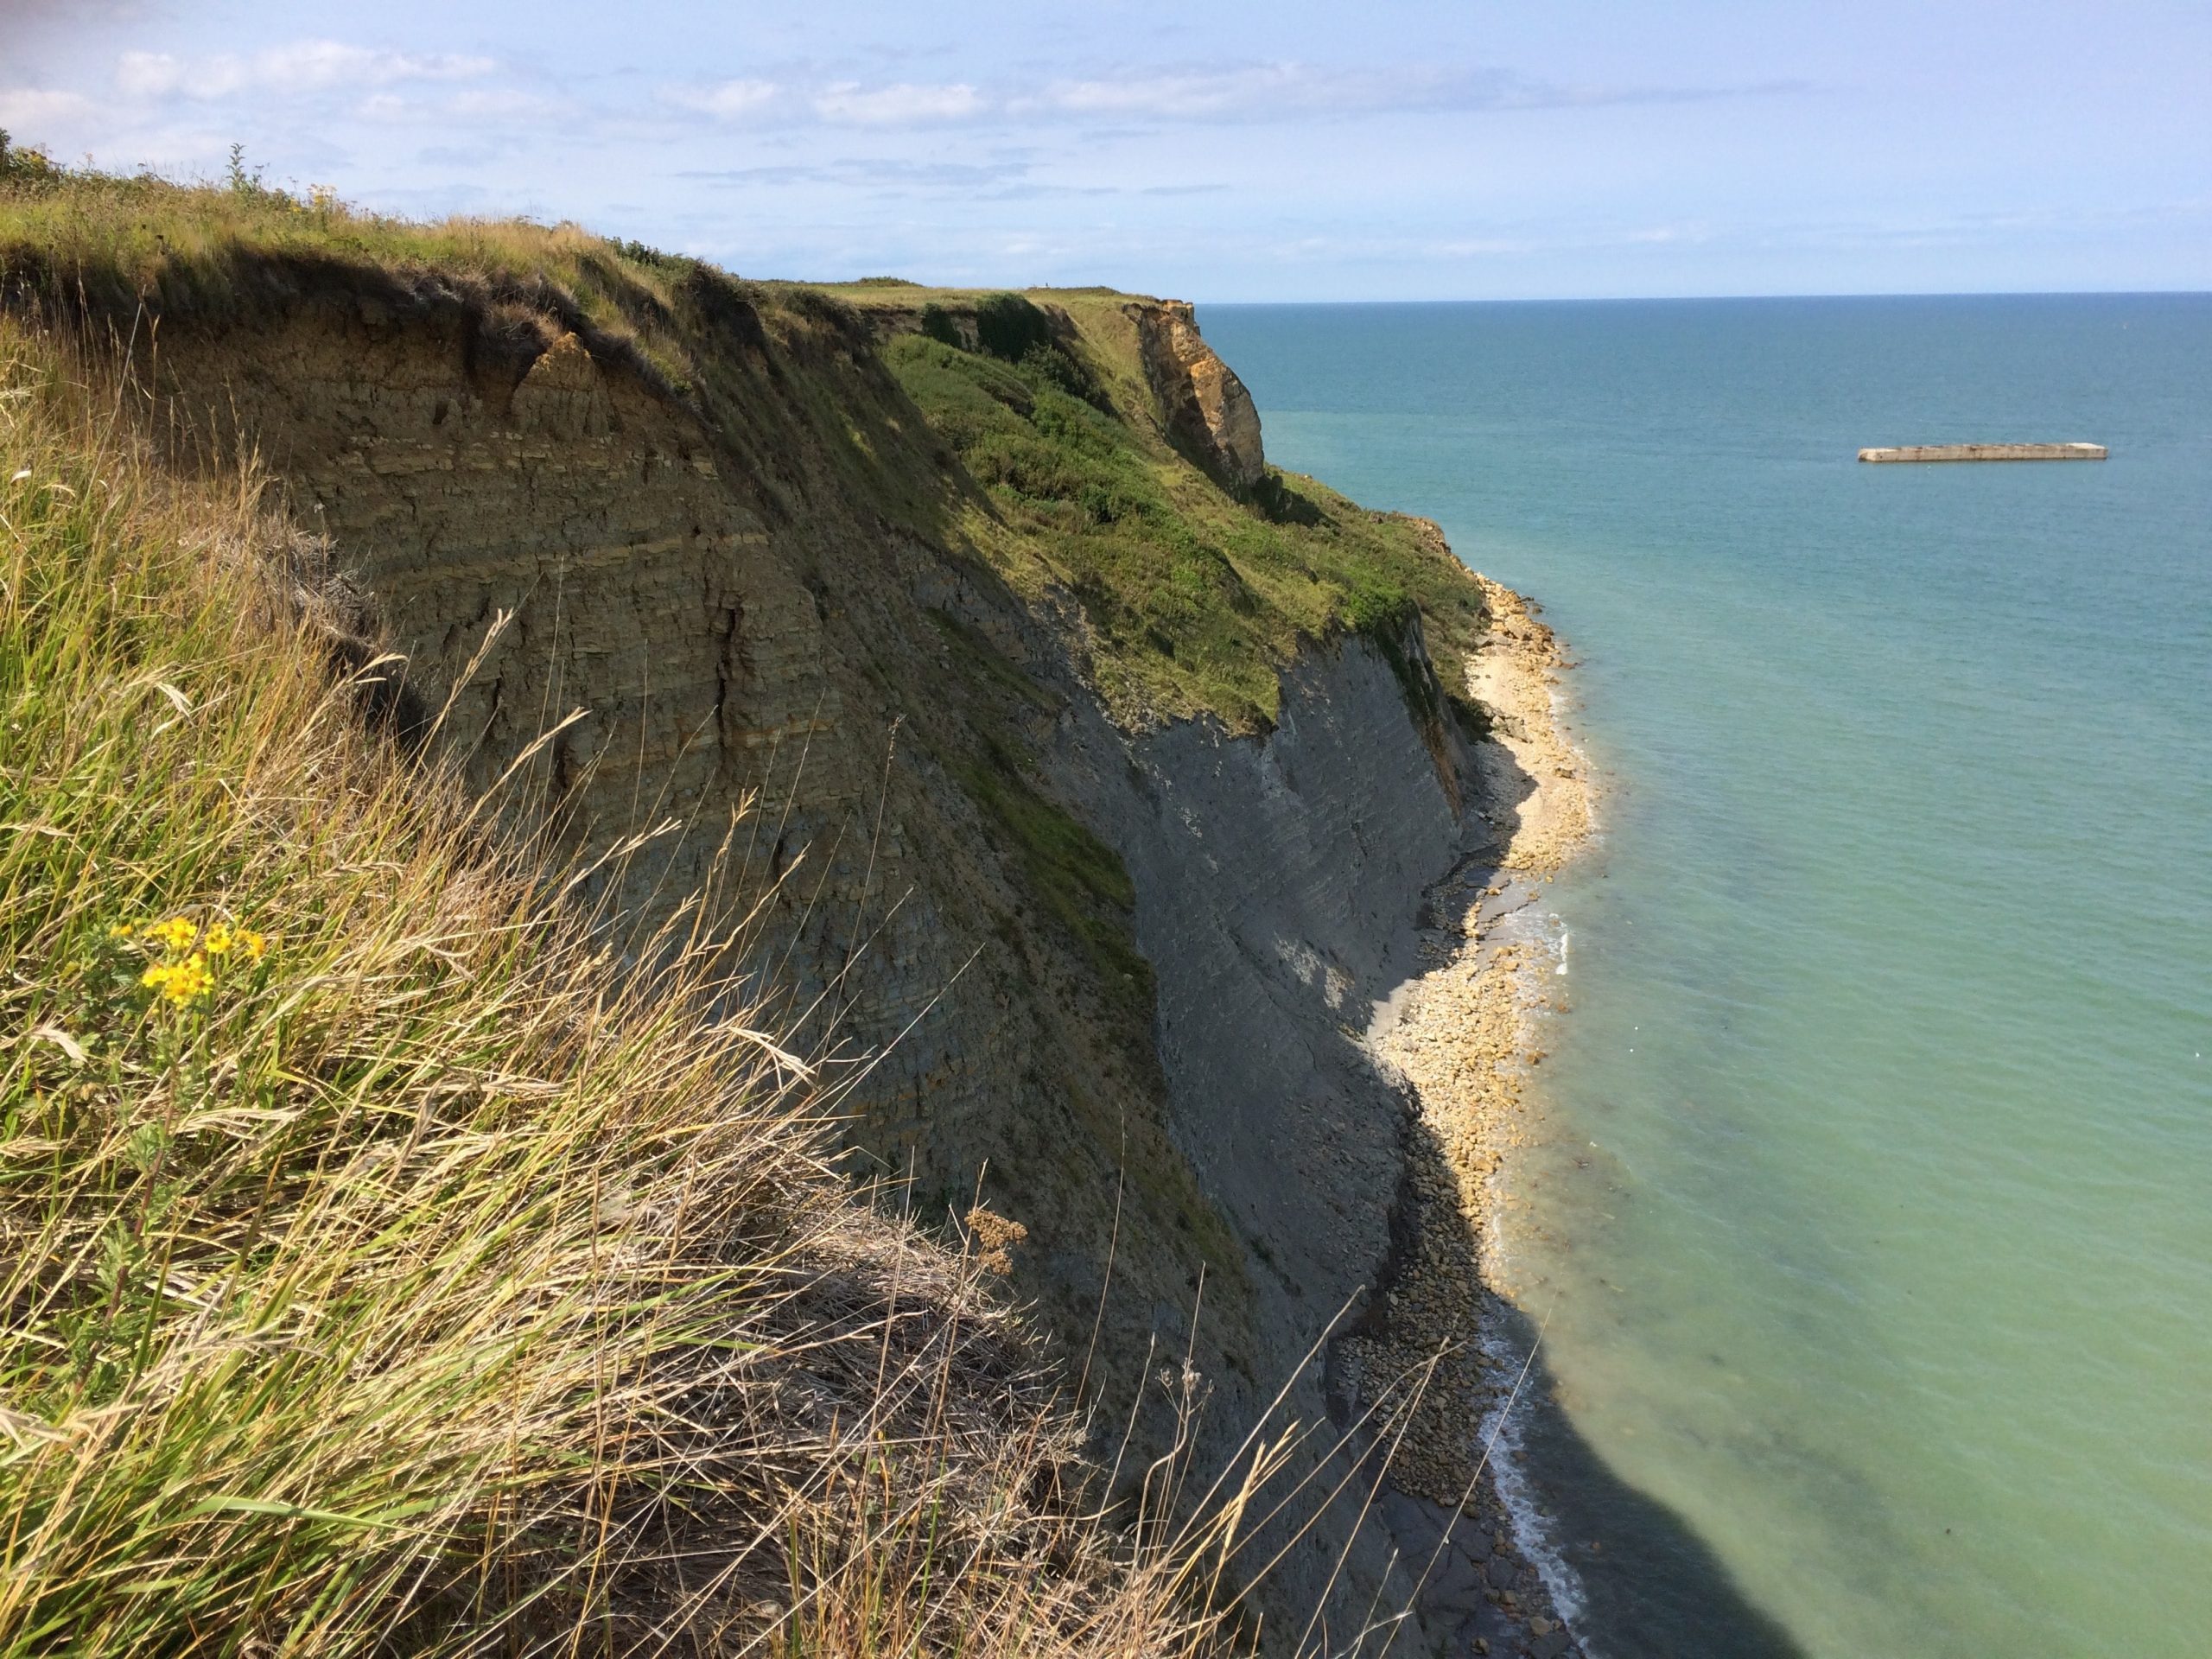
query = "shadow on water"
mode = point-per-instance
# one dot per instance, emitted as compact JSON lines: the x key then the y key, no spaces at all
{"x":1650,"y":1586}
{"x":1653,"y":1589}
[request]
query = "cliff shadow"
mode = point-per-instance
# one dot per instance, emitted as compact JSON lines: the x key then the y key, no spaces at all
{"x":1652,"y":1587}
{"x":1641,"y":1581}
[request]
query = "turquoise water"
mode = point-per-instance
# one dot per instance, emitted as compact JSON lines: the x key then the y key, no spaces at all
{"x":1876,"y":1211}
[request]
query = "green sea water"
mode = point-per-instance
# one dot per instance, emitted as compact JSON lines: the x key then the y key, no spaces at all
{"x":1871,"y":1237}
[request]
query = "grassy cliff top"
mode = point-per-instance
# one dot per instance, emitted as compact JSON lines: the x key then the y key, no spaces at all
{"x":1192,"y":600}
{"x":1195,"y":601}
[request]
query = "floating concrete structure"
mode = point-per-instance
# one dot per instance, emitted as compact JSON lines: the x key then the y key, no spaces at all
{"x":1988,"y":452}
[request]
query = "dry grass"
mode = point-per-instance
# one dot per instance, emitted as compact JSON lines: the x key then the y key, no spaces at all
{"x":123,"y":237}
{"x":89,"y":245}
{"x":466,"y":1275}
{"x":463,"y":1274}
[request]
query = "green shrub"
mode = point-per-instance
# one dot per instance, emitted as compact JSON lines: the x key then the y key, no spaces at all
{"x":1010,"y":328}
{"x":937,"y":325}
{"x":21,"y":166}
{"x":1195,"y":601}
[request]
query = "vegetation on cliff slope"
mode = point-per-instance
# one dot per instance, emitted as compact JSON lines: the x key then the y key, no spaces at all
{"x":1193,"y":602}
{"x":1196,"y":602}
{"x":380,"y":1266}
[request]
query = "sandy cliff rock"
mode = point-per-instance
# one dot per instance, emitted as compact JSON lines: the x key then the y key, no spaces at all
{"x":1207,"y":412}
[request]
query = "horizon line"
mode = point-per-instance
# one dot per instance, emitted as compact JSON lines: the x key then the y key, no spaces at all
{"x":1707,"y":299}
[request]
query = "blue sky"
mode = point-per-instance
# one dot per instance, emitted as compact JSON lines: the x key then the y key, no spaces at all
{"x":1392,"y":149}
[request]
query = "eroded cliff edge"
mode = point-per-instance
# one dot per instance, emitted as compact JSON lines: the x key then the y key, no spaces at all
{"x":1096,"y":928}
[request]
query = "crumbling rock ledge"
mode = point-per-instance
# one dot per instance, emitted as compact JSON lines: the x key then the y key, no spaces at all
{"x":1208,"y":414}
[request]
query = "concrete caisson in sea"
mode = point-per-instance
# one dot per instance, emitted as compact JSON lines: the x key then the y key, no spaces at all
{"x":1987,"y":451}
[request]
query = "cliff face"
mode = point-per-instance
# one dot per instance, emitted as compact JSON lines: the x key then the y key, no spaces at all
{"x":1208,"y":413}
{"x":1110,"y":975}
{"x":1277,"y":880}
{"x":740,"y":629}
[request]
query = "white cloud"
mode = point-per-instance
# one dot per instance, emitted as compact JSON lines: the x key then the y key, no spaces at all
{"x":844,"y":104}
{"x":728,"y":100}
{"x":1263,"y":92}
{"x":902,"y":105}
{"x":494,"y":106}
{"x":1237,"y":92}
{"x":29,"y":110}
{"x":303,"y":67}
{"x":870,"y":173}
{"x":1661,"y":234}
{"x":1282,"y":92}
{"x":499,"y":104}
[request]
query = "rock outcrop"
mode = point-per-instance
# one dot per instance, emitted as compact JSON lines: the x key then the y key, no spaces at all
{"x":1207,"y":412}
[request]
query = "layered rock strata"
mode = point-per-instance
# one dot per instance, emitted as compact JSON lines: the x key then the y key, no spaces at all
{"x":824,"y":699}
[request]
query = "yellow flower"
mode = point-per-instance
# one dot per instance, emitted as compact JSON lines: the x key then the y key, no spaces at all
{"x":190,"y":955}
{"x":180,"y":982}
{"x":177,"y":934}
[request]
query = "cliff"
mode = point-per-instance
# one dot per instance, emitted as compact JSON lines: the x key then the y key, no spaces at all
{"x":1204,"y":407}
{"x":1092,"y":770}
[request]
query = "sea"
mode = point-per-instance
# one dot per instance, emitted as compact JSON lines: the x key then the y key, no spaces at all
{"x":1866,"y":1243}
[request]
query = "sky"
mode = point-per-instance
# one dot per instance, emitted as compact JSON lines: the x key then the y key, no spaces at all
{"x":1390,"y":150}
